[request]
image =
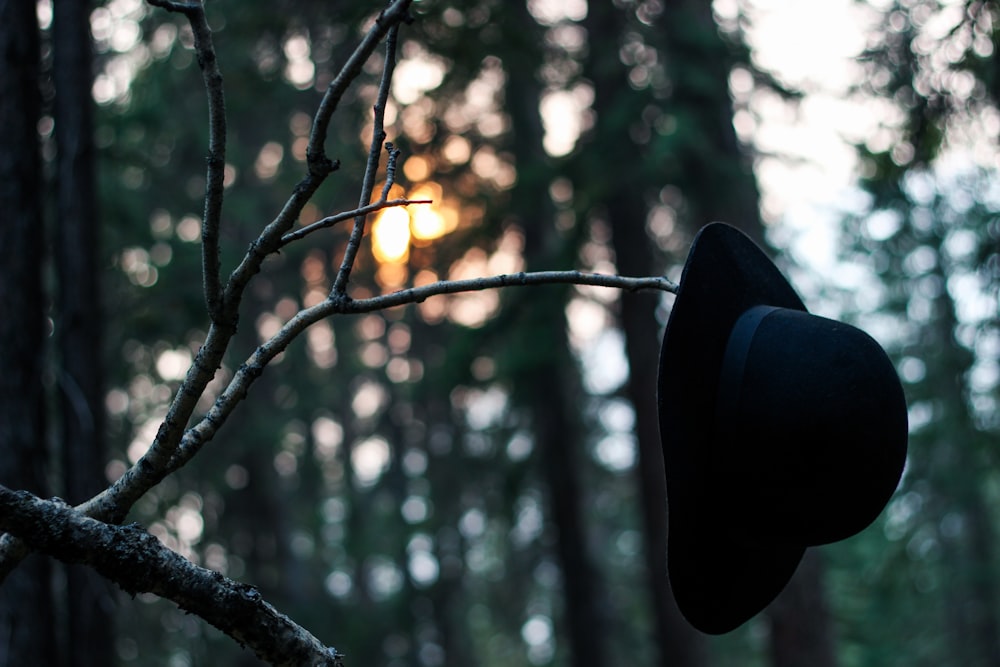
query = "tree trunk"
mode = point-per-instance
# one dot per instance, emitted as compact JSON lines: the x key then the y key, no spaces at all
{"x":715,"y":174}
{"x":716,"y":182}
{"x":26,"y":617}
{"x":90,"y":600}
{"x":622,"y":203}
{"x":548,"y":384}
{"x":720,"y":186}
{"x":973,"y":624}
{"x":800,"y":621}
{"x":679,"y":644}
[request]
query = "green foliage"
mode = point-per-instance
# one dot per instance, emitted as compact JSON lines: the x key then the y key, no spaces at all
{"x":386,"y":482}
{"x":929,"y":233}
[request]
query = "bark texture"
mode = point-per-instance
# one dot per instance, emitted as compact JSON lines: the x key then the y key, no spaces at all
{"x":88,"y":601}
{"x":26,"y":598}
{"x":140,"y":563}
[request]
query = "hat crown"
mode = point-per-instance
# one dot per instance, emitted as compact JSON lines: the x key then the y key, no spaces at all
{"x":813,"y":411}
{"x":801,"y":442}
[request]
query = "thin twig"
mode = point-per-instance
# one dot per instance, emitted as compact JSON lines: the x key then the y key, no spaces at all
{"x":388,"y":19}
{"x":114,"y":503}
{"x":215,"y":177}
{"x":234,"y":393}
{"x":371,"y":168}
{"x":254,"y":366}
{"x":390,"y":169}
{"x":172,"y":6}
{"x":319,"y":166}
{"x":424,"y":292}
{"x":347,"y":215}
{"x":152,"y":467}
{"x":160,"y":460}
{"x":216,"y":160}
{"x":139,"y":563}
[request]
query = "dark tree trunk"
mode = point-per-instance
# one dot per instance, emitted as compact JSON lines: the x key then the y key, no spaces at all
{"x":26,"y":618}
{"x":716,"y":182}
{"x":800,"y":621}
{"x":622,"y":204}
{"x":715,"y":174}
{"x":548,"y":384}
{"x":961,"y":479}
{"x":76,"y":250}
{"x":719,"y":184}
{"x":78,"y":321}
{"x":679,"y":644}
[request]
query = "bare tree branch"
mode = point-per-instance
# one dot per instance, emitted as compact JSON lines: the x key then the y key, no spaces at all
{"x":374,"y":153}
{"x":114,"y":503}
{"x":254,"y":366}
{"x":173,"y":6}
{"x":129,"y":555}
{"x":215,"y":178}
{"x":390,"y":17}
{"x":140,"y":563}
{"x":422,"y":293}
{"x":319,"y":166}
{"x":330,"y":221}
{"x":153,"y":466}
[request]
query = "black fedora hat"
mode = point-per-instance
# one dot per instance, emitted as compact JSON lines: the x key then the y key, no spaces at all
{"x":780,"y":430}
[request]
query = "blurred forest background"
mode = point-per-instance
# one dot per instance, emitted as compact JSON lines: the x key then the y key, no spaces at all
{"x":477,"y":480}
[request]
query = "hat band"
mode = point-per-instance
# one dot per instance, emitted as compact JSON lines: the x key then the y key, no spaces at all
{"x":734,"y":362}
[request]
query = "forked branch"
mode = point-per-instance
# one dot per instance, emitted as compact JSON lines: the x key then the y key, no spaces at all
{"x":114,"y":503}
{"x":371,"y":168}
{"x":254,"y":366}
{"x":129,"y":555}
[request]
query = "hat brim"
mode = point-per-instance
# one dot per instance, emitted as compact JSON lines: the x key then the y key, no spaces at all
{"x":719,"y":580}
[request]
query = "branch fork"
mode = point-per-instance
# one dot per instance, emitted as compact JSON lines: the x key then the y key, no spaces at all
{"x":130,"y":556}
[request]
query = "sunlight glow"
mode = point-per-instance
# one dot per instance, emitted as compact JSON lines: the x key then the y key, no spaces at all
{"x":537,"y":630}
{"x":320,"y":344}
{"x":418,"y":167}
{"x":138,"y":267}
{"x":115,"y":29}
{"x":189,"y":229}
{"x":43,"y":10}
{"x":565,"y":116}
{"x":396,"y":228}
{"x":423,"y":565}
{"x":392,"y":276}
{"x":391,"y":235}
{"x":550,"y":12}
{"x":188,"y":524}
{"x":418,"y":73}
{"x":339,"y":584}
{"x":616,"y":451}
{"x":456,"y":149}
{"x":427,"y":224}
{"x":415,"y":509}
{"x":423,"y":568}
